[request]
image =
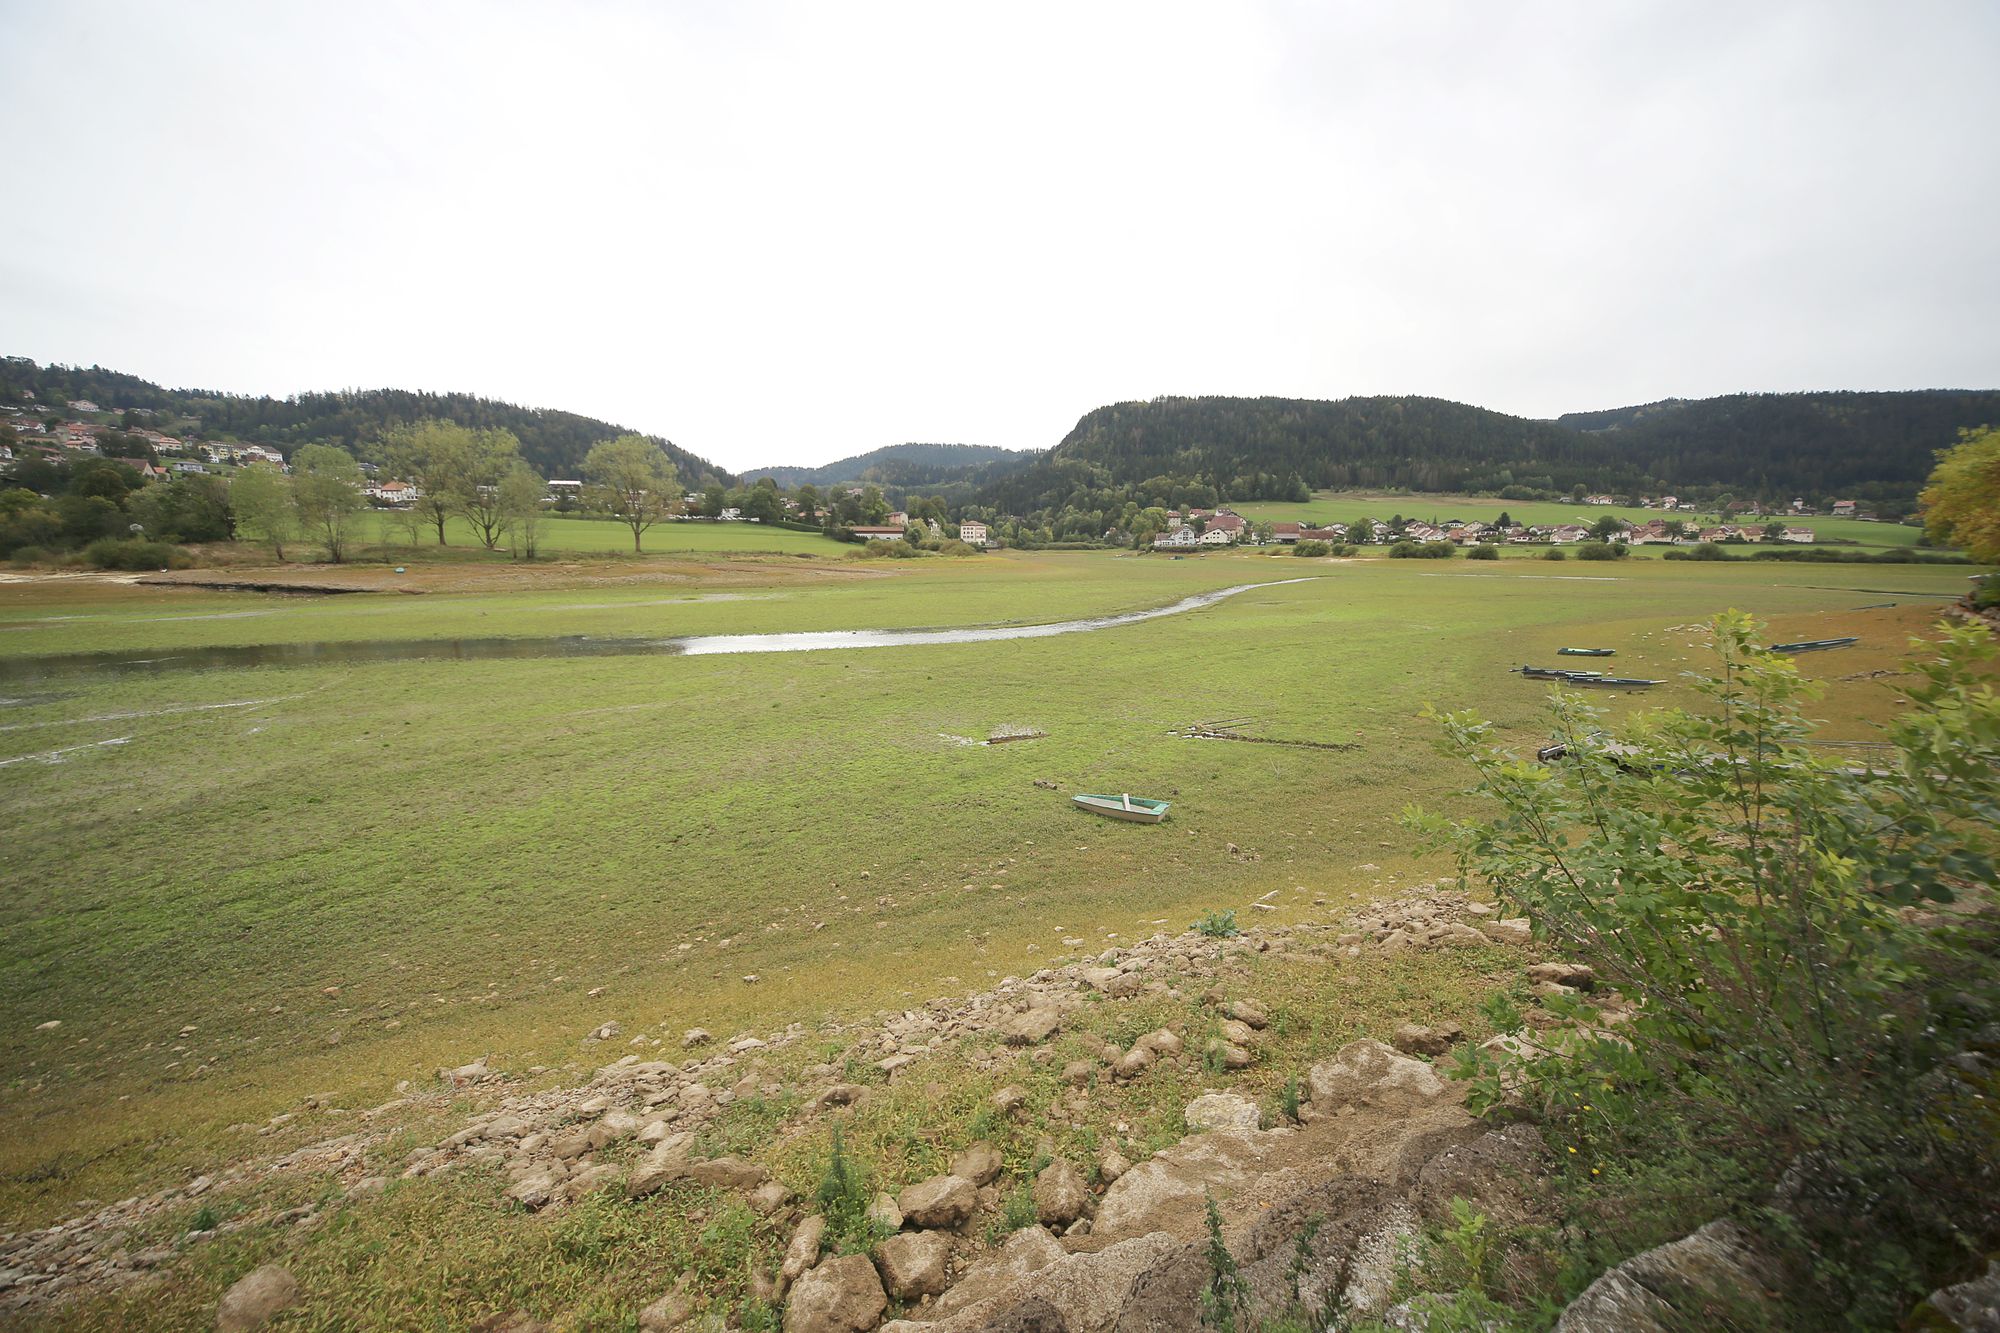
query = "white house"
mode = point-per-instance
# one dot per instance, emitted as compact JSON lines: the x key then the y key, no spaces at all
{"x":1180,"y":539}
{"x":971,"y":533}
{"x":878,"y":534}
{"x":1797,"y":535}
{"x":1217,"y":537}
{"x":1843,"y":509}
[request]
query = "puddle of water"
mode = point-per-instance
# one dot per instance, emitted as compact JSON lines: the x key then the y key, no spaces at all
{"x":24,"y":670}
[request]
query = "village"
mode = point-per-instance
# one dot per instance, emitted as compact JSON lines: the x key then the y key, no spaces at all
{"x":1201,"y":528}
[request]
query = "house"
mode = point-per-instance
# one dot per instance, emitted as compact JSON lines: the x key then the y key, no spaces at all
{"x":1796,"y":535}
{"x":142,"y":467}
{"x":189,"y":465}
{"x":29,"y":426}
{"x":1217,"y":537}
{"x":6,"y":454}
{"x":971,"y":533}
{"x":1332,"y":532}
{"x":1180,"y":539}
{"x":1600,"y":499}
{"x":395,"y":492}
{"x":1670,"y":502}
{"x":878,"y":534}
{"x":1567,"y":534}
{"x":83,"y":405}
{"x":1721,"y":534}
{"x":1843,"y":509}
{"x":1231,"y":525}
{"x":1287,"y":532}
{"x":558,"y":489}
{"x":899,"y":519}
{"x":1647,"y":534}
{"x":735,"y":515}
{"x":259,"y":453}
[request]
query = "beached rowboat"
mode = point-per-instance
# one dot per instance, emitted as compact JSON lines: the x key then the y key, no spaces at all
{"x":1815,"y":645}
{"x":1124,"y":806}
{"x":1587,"y":652}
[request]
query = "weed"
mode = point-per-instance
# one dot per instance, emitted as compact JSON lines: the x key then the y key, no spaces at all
{"x":1218,"y":925}
{"x":1225,"y":1301}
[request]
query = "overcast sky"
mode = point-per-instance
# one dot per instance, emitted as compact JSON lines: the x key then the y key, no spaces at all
{"x":786,"y":232}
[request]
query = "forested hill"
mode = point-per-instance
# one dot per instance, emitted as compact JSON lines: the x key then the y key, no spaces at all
{"x":553,"y":442}
{"x":905,"y":466}
{"x":1870,"y":444}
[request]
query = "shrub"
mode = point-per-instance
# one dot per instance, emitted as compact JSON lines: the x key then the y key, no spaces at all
{"x":1483,"y":553}
{"x":1601,"y":551}
{"x":1218,"y":925}
{"x":1422,"y":551}
{"x":889,"y":550}
{"x":1313,"y":548}
{"x":1555,"y":553}
{"x":30,"y":555}
{"x":127,"y":553}
{"x":1803,"y":1014}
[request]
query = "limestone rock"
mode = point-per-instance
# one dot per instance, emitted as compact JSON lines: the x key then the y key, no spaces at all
{"x":1030,"y":1027}
{"x":884,"y":1213}
{"x":1415,"y":1039}
{"x":802,"y":1252}
{"x":1222,"y":1110}
{"x":769,"y":1198}
{"x":1028,"y":1250}
{"x":842,"y":1295}
{"x":1576,"y":976}
{"x":1500,"y":1173}
{"x":941,"y":1201}
{"x":669,"y":1312}
{"x":1250,"y":1012}
{"x":1367,"y":1073}
{"x":1687,"y":1283}
{"x":1111,"y":1164}
{"x":1133,"y":1063}
{"x":1509,"y":930}
{"x":1079,"y":1073}
{"x":913,"y":1264}
{"x":255,"y":1298}
{"x":979,"y":1163}
{"x":694,"y":1037}
{"x":729,"y":1173}
{"x":1973,"y":1307}
{"x":1060,"y":1194}
{"x":1161,"y":1042}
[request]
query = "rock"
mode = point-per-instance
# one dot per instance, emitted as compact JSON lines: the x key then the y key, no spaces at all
{"x":49,"y":1026}
{"x":1060,"y":1194}
{"x":1415,"y":1039}
{"x":1239,"y":1034}
{"x":254,"y":1298}
{"x":1161,"y":1042}
{"x":1576,"y":976}
{"x":1694,"y":1282}
{"x":1111,"y":1164}
{"x":368,"y":1187}
{"x":515,"y":1321}
{"x":1222,"y":1110}
{"x":979,"y":1163}
{"x":884,"y":1213}
{"x":1229,"y":1055}
{"x":605,"y":1032}
{"x":913,"y":1264}
{"x":1500,"y":1173}
{"x":802,"y":1252}
{"x":1099,"y":978}
{"x":1079,"y":1073}
{"x":769,"y":1198}
{"x":1249,"y":1011}
{"x":1972,"y":1307}
{"x":1028,"y":1250}
{"x":842,"y":1295}
{"x":941,"y":1201}
{"x":534,"y":1190}
{"x":670,"y":1311}
{"x":1009,"y":1100}
{"x":729,"y":1173}
{"x":840,"y":1094}
{"x":1367,"y":1073}
{"x":1031,"y":1027}
{"x":1133,"y":1063}
{"x":1509,"y":930}
{"x":694,"y":1037}
{"x":466,"y":1073}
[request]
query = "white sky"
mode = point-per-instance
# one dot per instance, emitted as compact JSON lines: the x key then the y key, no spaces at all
{"x":785,"y":232}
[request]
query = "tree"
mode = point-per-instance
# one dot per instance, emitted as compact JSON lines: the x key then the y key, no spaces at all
{"x":438,"y":458}
{"x":493,"y":456}
{"x":187,"y":509}
{"x":1961,"y":503}
{"x":327,"y":483}
{"x":1606,"y":528}
{"x":809,"y":502}
{"x":519,"y":499}
{"x":635,"y":482}
{"x":262,"y":501}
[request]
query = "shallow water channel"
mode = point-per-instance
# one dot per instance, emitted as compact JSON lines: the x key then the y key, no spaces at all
{"x":31,"y":670}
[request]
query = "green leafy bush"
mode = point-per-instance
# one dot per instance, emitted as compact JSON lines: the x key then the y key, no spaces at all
{"x":1483,"y":553}
{"x":30,"y":555}
{"x":1808,"y":1023}
{"x":1313,"y":548}
{"x":1555,"y":553}
{"x":1602,"y":550}
{"x":1218,"y":925}
{"x":128,"y":553}
{"x":1407,"y":550}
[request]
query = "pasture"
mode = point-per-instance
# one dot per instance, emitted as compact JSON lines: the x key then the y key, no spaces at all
{"x":234,"y":888}
{"x":1348,"y":506}
{"x":559,"y":533}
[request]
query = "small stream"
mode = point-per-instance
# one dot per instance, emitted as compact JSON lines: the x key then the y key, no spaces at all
{"x":15,"y":671}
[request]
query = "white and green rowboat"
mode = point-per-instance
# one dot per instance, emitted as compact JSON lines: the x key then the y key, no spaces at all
{"x":1124,"y":806}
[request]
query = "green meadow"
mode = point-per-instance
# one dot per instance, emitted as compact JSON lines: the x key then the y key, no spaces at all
{"x":1348,"y":506}
{"x":557,"y":533}
{"x":234,"y":888}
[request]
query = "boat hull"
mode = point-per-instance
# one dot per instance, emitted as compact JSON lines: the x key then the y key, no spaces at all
{"x":1132,"y":809}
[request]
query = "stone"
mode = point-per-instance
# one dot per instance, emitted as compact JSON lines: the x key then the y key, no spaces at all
{"x":1249,"y":1011}
{"x":254,"y":1298}
{"x":1133,"y":1063}
{"x":842,"y":1295}
{"x":941,"y":1201}
{"x":1222,"y":1110}
{"x":1368,"y":1073}
{"x":1060,"y":1194}
{"x":1026,"y":1251}
{"x":1678,"y":1285}
{"x":1125,"y":985}
{"x":1111,"y":1164}
{"x":1415,"y":1039}
{"x":1030,"y":1027}
{"x":533,"y":1191}
{"x":884,"y":1213}
{"x":694,"y":1037}
{"x":1576,"y":976}
{"x":979,"y":1163}
{"x":729,"y":1173}
{"x":1098,"y":978}
{"x":913,"y":1264}
{"x":802,"y":1251}
{"x":1079,"y":1073}
{"x":1239,"y":1034}
{"x":514,"y":1321}
{"x":840,"y":1094}
{"x":769,"y":1198}
{"x":1161,"y":1042}
{"x":669,"y":1311}
{"x":1509,"y":930}
{"x":1009,"y":1100}
{"x":1974,"y":1306}
{"x":1500,"y":1173}
{"x":1229,"y":1055}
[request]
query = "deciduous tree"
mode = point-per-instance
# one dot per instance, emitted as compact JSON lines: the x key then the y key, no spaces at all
{"x":1962,"y":502}
{"x":327,"y":484}
{"x":635,"y":482}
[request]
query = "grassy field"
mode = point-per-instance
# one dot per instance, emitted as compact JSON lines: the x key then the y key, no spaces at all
{"x":1348,"y":506}
{"x":559,"y":534}
{"x":235,"y":888}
